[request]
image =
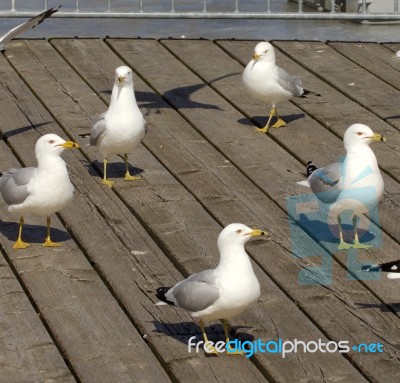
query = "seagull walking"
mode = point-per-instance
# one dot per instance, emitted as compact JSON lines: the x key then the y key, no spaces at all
{"x":121,"y":128}
{"x":354,"y":185}
{"x":41,"y":190}
{"x":31,"y":23}
{"x":223,"y":292}
{"x":269,"y":83}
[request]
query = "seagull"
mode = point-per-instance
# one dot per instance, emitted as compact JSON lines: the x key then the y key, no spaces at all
{"x":269,"y":83}
{"x":391,"y":268}
{"x":31,"y":23}
{"x":41,"y":191}
{"x":354,"y":184}
{"x":223,"y":292}
{"x":121,"y":128}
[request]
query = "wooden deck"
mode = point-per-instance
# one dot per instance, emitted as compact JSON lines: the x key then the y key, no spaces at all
{"x":85,"y":312}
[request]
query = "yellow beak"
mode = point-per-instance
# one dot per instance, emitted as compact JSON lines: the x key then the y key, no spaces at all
{"x":69,"y":144}
{"x":257,"y":233}
{"x":120,"y":79}
{"x":256,"y":57}
{"x":378,"y":137}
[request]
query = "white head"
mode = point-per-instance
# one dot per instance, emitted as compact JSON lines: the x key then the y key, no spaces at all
{"x":52,"y":145}
{"x":237,"y":234}
{"x":123,"y":76}
{"x":359,"y":134}
{"x":264,"y":51}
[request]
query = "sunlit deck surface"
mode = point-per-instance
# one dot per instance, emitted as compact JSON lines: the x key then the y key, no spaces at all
{"x":85,"y":312}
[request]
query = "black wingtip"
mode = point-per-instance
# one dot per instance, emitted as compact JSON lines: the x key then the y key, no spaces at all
{"x":160,"y":294}
{"x":310,"y":168}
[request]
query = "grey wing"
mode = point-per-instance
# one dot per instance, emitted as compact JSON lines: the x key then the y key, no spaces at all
{"x":13,"y":185}
{"x":195,"y":293}
{"x":98,"y":129}
{"x":290,"y":83}
{"x":31,"y":23}
{"x":324,"y":182}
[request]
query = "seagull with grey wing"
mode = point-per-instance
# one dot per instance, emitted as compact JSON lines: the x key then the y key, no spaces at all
{"x":269,"y":83}
{"x":41,"y":190}
{"x":121,"y":128}
{"x":31,"y":23}
{"x":353,"y":185}
{"x":223,"y":292}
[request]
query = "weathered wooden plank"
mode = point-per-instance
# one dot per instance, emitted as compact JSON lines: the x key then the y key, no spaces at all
{"x":373,"y":57}
{"x":346,"y":76}
{"x":123,"y":252}
{"x":100,"y":345}
{"x":77,"y":53}
{"x":205,"y":245}
{"x":224,"y":75}
{"x":131,"y":50}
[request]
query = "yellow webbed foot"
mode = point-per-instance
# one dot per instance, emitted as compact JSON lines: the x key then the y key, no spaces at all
{"x":358,"y":245}
{"x":49,"y":243}
{"x":128,"y":177}
{"x":210,"y":350}
{"x":20,"y":244}
{"x":262,"y":130}
{"x":231,"y":351}
{"x":107,"y":182}
{"x":344,"y":245}
{"x":279,"y":124}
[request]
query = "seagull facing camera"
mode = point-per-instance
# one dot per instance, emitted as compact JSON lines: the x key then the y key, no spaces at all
{"x":121,"y":128}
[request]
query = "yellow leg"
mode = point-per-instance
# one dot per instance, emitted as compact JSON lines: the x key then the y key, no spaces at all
{"x":279,"y":122}
{"x":105,"y":181}
{"x":225,"y":323}
{"x":20,"y":244}
{"x":357,"y":244}
{"x":342,"y":245}
{"x":128,"y":176}
{"x":210,"y":349}
{"x":266,"y":127}
{"x":48,"y":242}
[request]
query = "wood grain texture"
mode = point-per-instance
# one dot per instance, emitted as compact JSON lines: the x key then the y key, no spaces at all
{"x":203,"y":166}
{"x":100,"y":345}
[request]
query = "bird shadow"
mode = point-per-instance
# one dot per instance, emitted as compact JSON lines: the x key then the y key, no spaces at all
{"x":397,"y":116}
{"x":23,"y":129}
{"x":262,"y":120}
{"x":114,"y":169}
{"x":180,"y":97}
{"x":31,"y":233}
{"x":183,"y":331}
{"x":325,"y":232}
{"x":388,"y":307}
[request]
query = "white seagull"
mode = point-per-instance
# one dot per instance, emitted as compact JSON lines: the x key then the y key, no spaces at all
{"x":269,"y":83}
{"x":41,"y":191}
{"x":223,"y":292}
{"x":31,"y":23}
{"x":391,"y":268}
{"x":354,"y":185}
{"x":121,"y":128}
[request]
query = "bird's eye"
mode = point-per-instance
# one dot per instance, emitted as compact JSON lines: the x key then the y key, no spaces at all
{"x":359,"y":134}
{"x":266,"y":51}
{"x":238,"y":231}
{"x":51,"y":142}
